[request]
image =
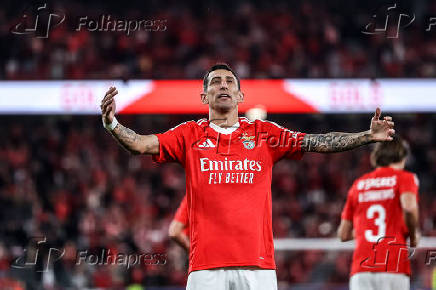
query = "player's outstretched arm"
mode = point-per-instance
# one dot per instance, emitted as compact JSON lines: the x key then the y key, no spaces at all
{"x":175,"y":232}
{"x":380,"y":130}
{"x":128,"y":139}
{"x":409,"y":206}
{"x":345,"y":230}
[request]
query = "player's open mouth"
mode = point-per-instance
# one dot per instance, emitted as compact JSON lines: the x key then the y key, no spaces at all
{"x":223,"y":96}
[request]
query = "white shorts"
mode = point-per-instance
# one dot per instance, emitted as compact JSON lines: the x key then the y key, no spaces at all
{"x":232,"y":278}
{"x":379,"y":281}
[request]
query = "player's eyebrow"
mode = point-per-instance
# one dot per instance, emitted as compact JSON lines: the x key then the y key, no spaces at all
{"x":215,"y":78}
{"x":219,"y":77}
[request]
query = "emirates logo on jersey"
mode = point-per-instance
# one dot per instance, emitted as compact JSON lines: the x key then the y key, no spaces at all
{"x":230,"y":171}
{"x":207,"y":164}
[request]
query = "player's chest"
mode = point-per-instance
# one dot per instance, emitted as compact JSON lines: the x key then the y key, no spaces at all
{"x":234,"y":146}
{"x":221,"y":159}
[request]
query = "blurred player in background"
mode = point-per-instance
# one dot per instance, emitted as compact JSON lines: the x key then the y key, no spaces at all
{"x":382,"y":208}
{"x":228,"y":162}
{"x":178,"y":230}
{"x":256,"y":113}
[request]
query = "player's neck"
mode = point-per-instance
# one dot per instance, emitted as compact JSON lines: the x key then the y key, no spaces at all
{"x":397,"y":165}
{"x":226,"y":119}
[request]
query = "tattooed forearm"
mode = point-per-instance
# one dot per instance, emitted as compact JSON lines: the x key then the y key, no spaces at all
{"x":334,"y":141}
{"x":126,"y":137}
{"x":135,"y":143}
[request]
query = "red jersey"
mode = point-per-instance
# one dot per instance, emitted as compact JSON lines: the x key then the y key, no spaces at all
{"x":228,"y":188}
{"x":373,"y":205}
{"x":182,"y":215}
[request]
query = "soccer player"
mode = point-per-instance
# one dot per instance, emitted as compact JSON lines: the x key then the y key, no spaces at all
{"x":178,"y":230}
{"x":228,"y":162}
{"x":382,"y":208}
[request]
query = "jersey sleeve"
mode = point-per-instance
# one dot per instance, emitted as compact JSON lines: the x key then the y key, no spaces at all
{"x":348,"y":211}
{"x":281,"y":142}
{"x":172,"y":145}
{"x":408,"y":183}
{"x":182,"y":212}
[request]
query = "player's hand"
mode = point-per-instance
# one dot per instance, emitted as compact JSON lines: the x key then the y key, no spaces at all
{"x":108,"y":106}
{"x":381,"y":130}
{"x":414,"y":239}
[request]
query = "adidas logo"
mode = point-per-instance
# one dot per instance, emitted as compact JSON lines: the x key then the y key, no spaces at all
{"x":206,"y":144}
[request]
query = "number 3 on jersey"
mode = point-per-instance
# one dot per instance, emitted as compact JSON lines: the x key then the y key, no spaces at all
{"x":380,"y":222}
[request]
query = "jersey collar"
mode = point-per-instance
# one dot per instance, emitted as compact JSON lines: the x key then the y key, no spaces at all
{"x":222,"y":130}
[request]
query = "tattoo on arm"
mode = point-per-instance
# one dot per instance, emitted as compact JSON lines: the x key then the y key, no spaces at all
{"x":334,"y":141}
{"x":128,"y":139}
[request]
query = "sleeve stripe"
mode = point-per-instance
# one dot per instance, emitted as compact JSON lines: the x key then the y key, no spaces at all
{"x":274,"y":123}
{"x":244,"y":119}
{"x":201,"y":121}
{"x":184,"y":123}
{"x":280,"y":127}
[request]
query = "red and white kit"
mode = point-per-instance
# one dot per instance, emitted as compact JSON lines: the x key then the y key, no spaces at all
{"x":373,"y":205}
{"x":228,"y":187}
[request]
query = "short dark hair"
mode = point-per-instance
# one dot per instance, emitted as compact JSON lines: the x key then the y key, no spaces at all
{"x":217,"y":67}
{"x":389,"y":152}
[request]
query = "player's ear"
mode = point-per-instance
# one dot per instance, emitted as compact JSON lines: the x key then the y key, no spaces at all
{"x":240,"y":97}
{"x":204,"y":98}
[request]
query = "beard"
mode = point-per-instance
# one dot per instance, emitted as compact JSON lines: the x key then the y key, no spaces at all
{"x":223,"y":107}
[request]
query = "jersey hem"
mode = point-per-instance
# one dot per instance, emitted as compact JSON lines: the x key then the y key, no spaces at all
{"x":221,"y":265}
{"x":387,"y":272}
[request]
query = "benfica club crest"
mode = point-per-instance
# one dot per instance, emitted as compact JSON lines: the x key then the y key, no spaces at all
{"x":247,"y":141}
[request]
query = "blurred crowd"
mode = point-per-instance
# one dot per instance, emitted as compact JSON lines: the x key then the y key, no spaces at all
{"x":260,"y":39}
{"x":66,"y":183}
